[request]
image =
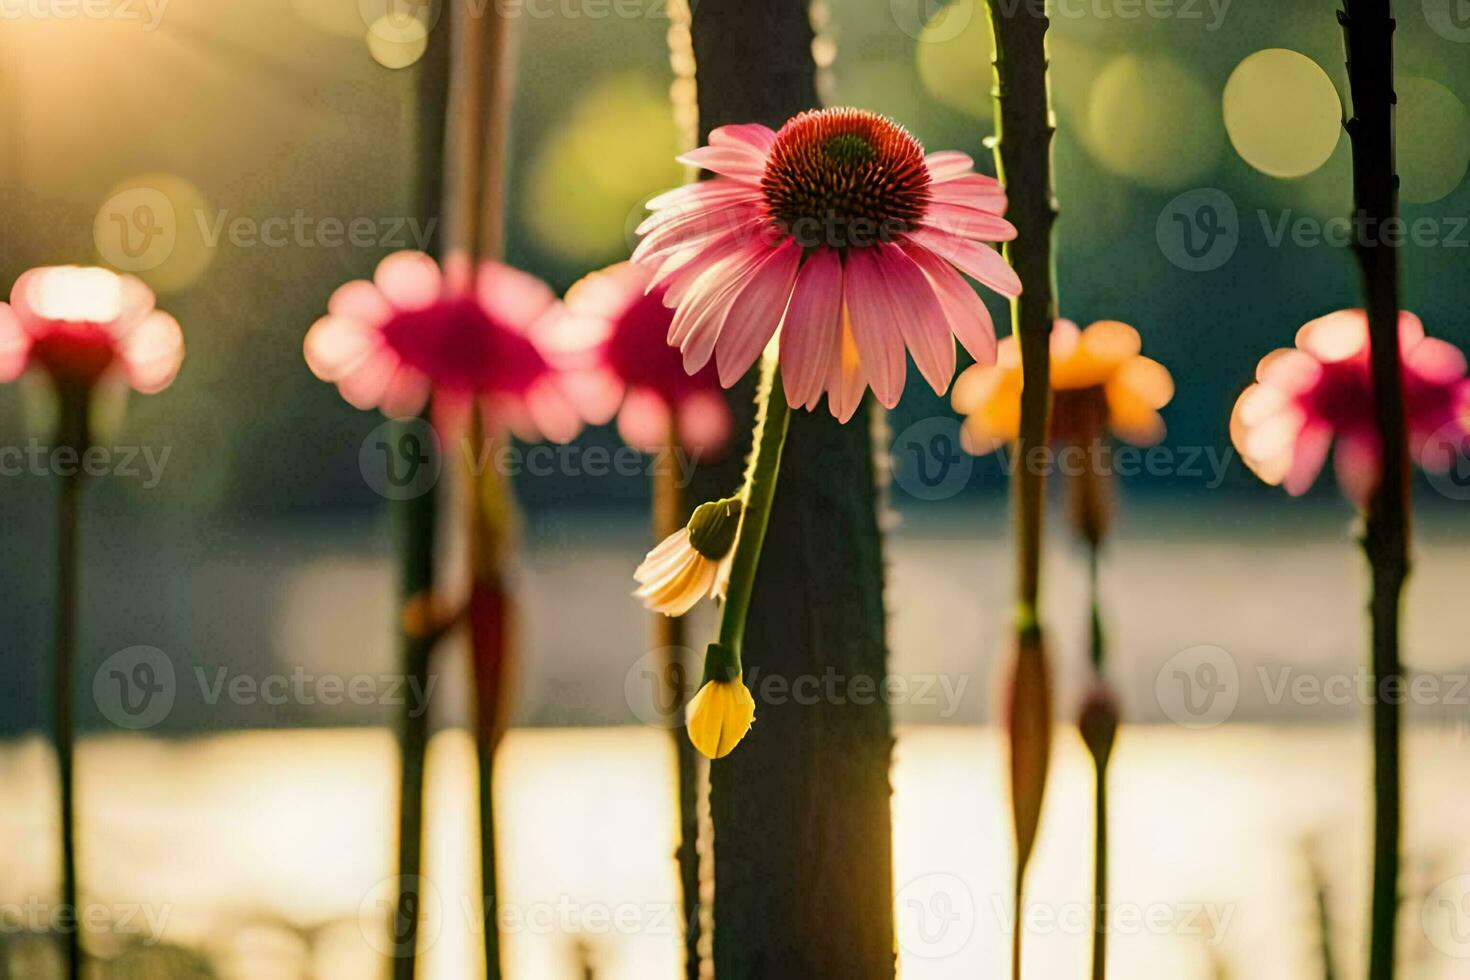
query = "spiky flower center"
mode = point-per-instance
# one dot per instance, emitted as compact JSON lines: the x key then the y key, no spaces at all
{"x":845,"y":178}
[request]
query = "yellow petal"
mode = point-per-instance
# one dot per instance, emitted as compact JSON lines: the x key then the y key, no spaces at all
{"x":719,"y":716}
{"x":1149,"y":381}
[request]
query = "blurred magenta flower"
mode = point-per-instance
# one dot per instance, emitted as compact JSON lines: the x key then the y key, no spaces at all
{"x":840,"y":227}
{"x":1304,"y":398}
{"x":81,"y":324}
{"x":461,"y":334}
{"x":617,"y":329}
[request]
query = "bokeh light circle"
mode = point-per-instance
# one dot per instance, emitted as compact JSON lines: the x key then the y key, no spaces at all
{"x":1432,"y":126}
{"x":150,"y":225}
{"x":954,"y":59}
{"x":1282,"y":113}
{"x":1150,"y":120}
{"x":397,"y":42}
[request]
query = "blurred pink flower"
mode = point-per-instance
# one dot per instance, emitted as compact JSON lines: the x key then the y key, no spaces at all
{"x":615,"y":329}
{"x":841,"y":227}
{"x":82,"y":323}
{"x":461,"y":335}
{"x":1304,"y":398}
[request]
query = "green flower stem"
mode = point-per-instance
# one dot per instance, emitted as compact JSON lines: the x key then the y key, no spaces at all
{"x":1100,"y":786}
{"x":74,"y":432}
{"x":773,"y":418}
{"x":1368,"y":29}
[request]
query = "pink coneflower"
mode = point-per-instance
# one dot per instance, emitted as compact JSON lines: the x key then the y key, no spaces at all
{"x":1322,"y":390}
{"x":629,"y":369}
{"x":841,"y":228}
{"x":81,"y":324}
{"x":463,"y":335}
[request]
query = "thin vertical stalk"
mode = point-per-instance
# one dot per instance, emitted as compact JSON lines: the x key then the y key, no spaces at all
{"x":1024,"y":133}
{"x":1368,"y":31}
{"x":416,"y":525}
{"x":73,"y":432}
{"x":670,"y":513}
{"x":483,"y":73}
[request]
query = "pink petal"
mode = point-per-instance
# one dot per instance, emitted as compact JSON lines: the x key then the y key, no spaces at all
{"x":1435,"y":361}
{"x":812,"y":334}
{"x":973,"y":191}
{"x":1411,"y":330}
{"x":408,"y":280}
{"x":596,"y":393}
{"x":135,"y":304}
{"x":964,"y":221}
{"x":644,"y":422}
{"x":360,"y":300}
{"x":704,"y":423}
{"x":756,"y":313}
{"x":363,"y":387}
{"x":15,"y":345}
{"x":1308,"y":456}
{"x":964,"y":310}
{"x":1336,"y":336}
{"x":704,"y":192}
{"x":406,"y":393}
{"x":947,"y":164}
{"x":874,"y":313}
{"x":1357,"y":465}
{"x":847,"y":381}
{"x":753,"y":135}
{"x":697,"y":230}
{"x":1290,"y":370}
{"x":552,"y":412}
{"x":153,"y":352}
{"x":335,"y":345}
{"x":980,"y":262}
{"x":514,"y":298}
{"x":710,"y":293}
{"x":736,"y":161}
{"x":683,"y":269}
{"x":919,"y":316}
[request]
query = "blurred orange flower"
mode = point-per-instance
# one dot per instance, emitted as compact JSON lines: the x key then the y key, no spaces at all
{"x":1100,"y":381}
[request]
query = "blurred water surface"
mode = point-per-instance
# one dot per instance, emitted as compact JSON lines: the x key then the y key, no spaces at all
{"x":271,"y":853}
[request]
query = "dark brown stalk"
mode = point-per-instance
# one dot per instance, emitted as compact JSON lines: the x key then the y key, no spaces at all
{"x":416,"y":522}
{"x":670,"y":513}
{"x":1368,"y":30}
{"x":801,"y":810}
{"x":1024,"y":133}
{"x":73,"y":432}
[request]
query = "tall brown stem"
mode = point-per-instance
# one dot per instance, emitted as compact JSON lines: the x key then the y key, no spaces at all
{"x":1024,"y":133}
{"x":1368,"y":31}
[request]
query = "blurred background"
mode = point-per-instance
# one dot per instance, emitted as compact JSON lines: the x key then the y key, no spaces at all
{"x":244,"y":159}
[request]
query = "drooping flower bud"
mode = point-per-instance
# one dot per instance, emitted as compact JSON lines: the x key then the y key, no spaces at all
{"x":1098,"y":721}
{"x":1028,"y":725}
{"x":723,"y":710}
{"x":693,"y":562}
